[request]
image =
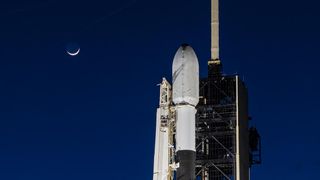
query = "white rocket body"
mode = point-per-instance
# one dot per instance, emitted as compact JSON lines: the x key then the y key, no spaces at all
{"x":164,"y":135}
{"x":185,"y":80}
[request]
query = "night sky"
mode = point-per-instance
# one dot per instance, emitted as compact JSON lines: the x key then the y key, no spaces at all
{"x":92,"y":116}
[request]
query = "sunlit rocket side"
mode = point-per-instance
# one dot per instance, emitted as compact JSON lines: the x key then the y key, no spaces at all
{"x":185,"y":80}
{"x":164,"y":150}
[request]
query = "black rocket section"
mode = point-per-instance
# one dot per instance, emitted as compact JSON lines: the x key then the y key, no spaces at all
{"x":186,"y":170}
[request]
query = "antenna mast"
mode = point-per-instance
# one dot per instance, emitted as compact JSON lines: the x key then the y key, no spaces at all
{"x":214,"y":29}
{"x":214,"y":64}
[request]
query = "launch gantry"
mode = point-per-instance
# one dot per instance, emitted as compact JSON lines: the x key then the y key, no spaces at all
{"x":202,"y":128}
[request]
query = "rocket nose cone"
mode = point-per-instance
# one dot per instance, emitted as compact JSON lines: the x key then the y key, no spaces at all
{"x":185,"y":76}
{"x":185,"y":53}
{"x":184,"y":45}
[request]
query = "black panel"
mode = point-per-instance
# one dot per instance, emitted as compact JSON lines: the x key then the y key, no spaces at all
{"x":186,"y":170}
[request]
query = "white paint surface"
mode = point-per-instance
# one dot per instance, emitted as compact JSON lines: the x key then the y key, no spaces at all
{"x":185,"y":128}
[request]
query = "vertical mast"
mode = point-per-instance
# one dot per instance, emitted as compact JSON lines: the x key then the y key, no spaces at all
{"x":214,"y":29}
{"x":214,"y":64}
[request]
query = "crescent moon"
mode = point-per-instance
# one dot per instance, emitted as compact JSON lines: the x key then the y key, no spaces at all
{"x":74,"y":54}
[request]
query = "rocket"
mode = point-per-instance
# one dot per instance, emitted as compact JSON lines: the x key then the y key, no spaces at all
{"x":175,"y":141}
{"x":185,"y":96}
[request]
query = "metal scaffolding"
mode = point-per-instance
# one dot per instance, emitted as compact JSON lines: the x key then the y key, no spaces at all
{"x":216,"y":133}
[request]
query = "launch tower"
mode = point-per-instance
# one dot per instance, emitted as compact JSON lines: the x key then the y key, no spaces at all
{"x":203,"y":129}
{"x":226,"y":145}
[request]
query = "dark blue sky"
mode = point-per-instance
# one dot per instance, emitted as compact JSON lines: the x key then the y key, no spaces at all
{"x":93,"y":116}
